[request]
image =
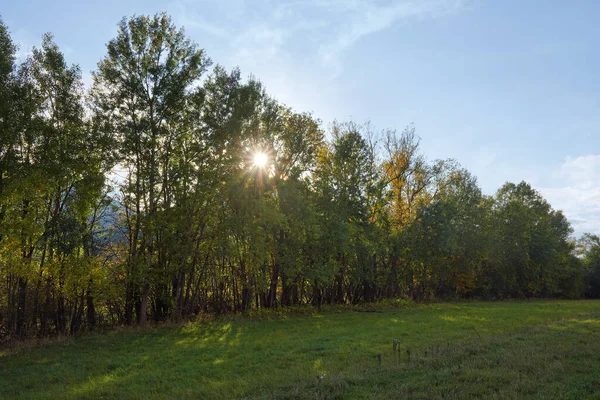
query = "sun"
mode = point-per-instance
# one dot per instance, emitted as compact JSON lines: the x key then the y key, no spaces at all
{"x":260,"y":160}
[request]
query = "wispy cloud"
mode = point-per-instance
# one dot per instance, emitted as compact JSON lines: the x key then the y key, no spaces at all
{"x":326,"y":28}
{"x":189,"y":17}
{"x":261,"y":42}
{"x":365,"y":18}
{"x":25,"y":41}
{"x":484,"y":157}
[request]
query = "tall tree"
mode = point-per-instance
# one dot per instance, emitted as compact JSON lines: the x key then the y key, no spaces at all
{"x":141,"y":88}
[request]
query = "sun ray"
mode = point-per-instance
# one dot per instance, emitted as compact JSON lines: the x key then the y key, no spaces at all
{"x":260,"y":159}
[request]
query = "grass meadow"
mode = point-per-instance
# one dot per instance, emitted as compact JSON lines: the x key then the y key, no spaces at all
{"x":513,"y":349}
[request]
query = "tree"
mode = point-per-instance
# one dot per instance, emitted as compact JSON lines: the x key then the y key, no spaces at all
{"x":533,"y":242}
{"x":414,"y":185}
{"x":141,"y":89}
{"x":8,"y":148}
{"x":53,"y":176}
{"x":588,"y":249}
{"x":448,"y":243}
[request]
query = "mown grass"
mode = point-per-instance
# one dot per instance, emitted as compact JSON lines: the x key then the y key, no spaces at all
{"x":537,"y":349}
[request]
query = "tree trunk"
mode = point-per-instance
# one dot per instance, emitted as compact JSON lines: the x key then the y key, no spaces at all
{"x":142,"y":315}
{"x":21,"y":306}
{"x":285,"y":290}
{"x":90,"y":309}
{"x":129,"y":303}
{"x":273,"y":286}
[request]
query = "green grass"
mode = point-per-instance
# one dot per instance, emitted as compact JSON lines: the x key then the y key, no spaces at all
{"x":537,"y":349}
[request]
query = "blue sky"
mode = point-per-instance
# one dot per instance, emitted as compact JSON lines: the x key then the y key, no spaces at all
{"x":510,"y":89}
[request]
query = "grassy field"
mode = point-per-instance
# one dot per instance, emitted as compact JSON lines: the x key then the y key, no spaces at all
{"x":537,"y":349}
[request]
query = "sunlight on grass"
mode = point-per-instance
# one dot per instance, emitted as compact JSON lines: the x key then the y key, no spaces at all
{"x":318,"y":367}
{"x":94,"y":384}
{"x":449,"y":319}
{"x":462,"y":318}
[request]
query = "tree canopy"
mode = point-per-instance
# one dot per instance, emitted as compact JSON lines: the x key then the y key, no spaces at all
{"x":141,"y":198}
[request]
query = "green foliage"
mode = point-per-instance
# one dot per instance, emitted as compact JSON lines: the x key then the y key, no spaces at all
{"x":588,"y":248}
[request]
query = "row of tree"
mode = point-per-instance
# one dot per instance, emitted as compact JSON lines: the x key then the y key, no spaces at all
{"x":142,"y":198}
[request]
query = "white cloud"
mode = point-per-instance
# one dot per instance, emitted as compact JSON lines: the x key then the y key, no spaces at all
{"x":579,"y":196}
{"x":585,"y":170}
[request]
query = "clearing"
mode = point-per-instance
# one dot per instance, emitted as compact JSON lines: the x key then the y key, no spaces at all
{"x":512,"y":349}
